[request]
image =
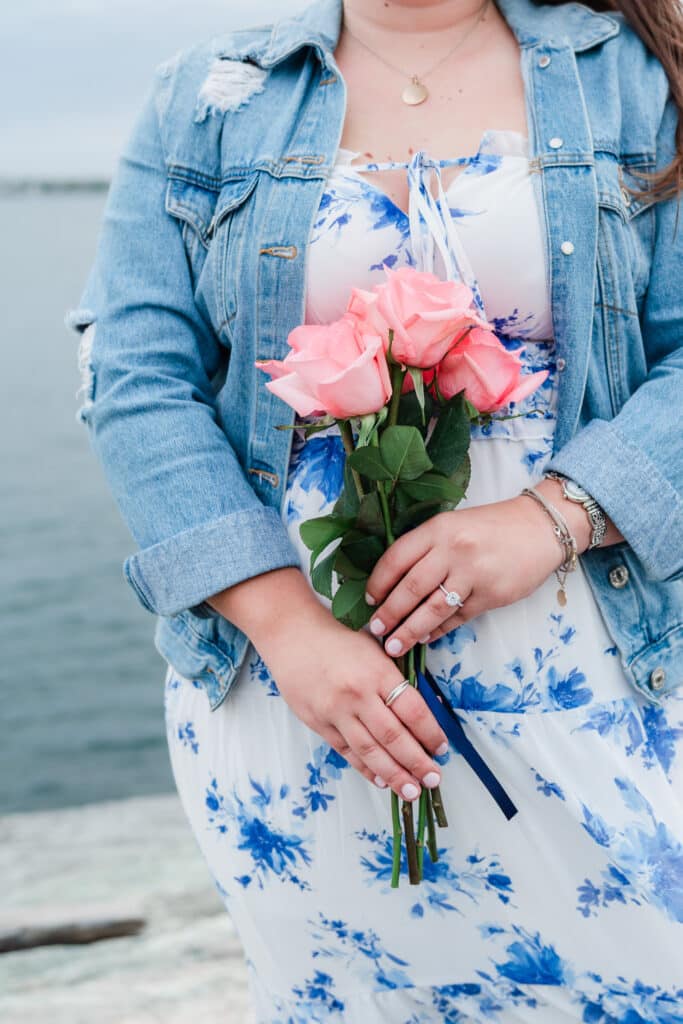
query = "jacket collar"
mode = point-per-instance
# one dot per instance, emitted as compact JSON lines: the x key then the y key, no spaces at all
{"x":319,"y":25}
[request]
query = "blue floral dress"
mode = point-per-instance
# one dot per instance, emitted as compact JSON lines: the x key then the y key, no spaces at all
{"x":573,"y":909}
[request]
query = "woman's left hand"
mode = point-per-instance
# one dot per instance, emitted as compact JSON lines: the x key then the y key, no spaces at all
{"x":491,"y":555}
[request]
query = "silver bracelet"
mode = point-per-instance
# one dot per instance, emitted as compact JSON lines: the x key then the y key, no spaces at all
{"x":565,"y":537}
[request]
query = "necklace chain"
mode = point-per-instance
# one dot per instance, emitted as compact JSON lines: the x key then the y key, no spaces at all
{"x":468,"y":33}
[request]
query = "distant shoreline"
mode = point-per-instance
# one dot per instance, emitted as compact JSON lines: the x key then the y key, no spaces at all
{"x":14,"y":186}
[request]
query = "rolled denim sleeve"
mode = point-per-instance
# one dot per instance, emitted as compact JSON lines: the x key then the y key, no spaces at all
{"x":633,"y":464}
{"x":147,"y":357}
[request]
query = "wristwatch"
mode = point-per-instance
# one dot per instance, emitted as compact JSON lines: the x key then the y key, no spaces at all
{"x":575,"y":492}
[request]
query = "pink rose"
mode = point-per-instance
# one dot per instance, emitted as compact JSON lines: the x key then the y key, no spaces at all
{"x":427,"y":315}
{"x":338,"y":368}
{"x":489,"y":373}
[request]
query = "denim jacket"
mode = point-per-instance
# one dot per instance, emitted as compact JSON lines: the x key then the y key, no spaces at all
{"x":200,"y":270}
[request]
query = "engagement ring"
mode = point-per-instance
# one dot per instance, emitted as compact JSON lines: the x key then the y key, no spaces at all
{"x":453,"y":598}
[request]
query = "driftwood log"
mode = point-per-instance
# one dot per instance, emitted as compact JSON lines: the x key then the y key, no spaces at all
{"x":68,"y":932}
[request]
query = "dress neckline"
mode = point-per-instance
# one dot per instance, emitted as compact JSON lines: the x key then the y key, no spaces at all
{"x":502,"y":142}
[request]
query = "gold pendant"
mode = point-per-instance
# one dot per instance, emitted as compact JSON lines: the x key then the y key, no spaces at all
{"x":415,"y":93}
{"x":562,"y":596}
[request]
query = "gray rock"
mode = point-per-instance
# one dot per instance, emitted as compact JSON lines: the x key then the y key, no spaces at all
{"x":117,"y":861}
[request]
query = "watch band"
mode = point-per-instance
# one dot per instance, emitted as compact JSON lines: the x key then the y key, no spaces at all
{"x":595,"y":514}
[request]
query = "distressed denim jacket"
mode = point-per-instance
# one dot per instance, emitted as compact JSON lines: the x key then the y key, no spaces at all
{"x":200,"y":270}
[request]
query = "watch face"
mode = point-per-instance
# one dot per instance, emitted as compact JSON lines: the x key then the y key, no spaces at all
{"x":575,"y":491}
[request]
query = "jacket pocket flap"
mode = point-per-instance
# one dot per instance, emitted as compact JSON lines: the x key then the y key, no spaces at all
{"x":191,"y":203}
{"x":232,"y":194}
{"x":612,"y":178}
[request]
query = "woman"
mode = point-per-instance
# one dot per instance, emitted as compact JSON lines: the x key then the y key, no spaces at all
{"x":242,"y":207}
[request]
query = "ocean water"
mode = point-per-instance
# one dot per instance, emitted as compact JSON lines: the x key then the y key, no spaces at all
{"x":81,"y":685}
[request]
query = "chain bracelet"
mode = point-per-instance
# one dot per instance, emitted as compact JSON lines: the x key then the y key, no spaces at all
{"x":566,"y":539}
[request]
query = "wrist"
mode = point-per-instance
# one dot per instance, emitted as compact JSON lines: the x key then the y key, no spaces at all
{"x":575,"y":514}
{"x":266,"y":605}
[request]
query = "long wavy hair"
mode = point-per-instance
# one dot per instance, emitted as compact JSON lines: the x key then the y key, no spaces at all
{"x":659,"y":23}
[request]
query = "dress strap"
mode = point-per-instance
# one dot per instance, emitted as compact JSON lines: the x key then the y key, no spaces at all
{"x":431,"y":222}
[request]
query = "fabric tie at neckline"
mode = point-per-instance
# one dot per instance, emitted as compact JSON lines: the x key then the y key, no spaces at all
{"x":430,"y":221}
{"x":452,"y":726}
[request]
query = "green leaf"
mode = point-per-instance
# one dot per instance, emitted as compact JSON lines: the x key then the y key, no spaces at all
{"x":349,"y":604}
{"x":345,"y":568}
{"x":419,"y":384}
{"x":321,"y":575}
{"x":434,"y":487}
{"x":461,"y":476}
{"x":369,"y":425}
{"x":410,"y":414}
{"x":403,"y":452}
{"x":317,"y":533}
{"x":307,"y":428}
{"x":370,"y":515}
{"x":472,"y":410}
{"x":362,"y":549}
{"x":419,"y":512}
{"x":348,"y":502}
{"x":368,"y":462}
{"x":450,"y":438}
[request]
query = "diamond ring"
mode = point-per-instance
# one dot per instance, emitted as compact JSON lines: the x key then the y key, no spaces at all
{"x":453,"y":598}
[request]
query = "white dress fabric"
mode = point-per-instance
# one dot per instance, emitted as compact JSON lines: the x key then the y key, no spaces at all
{"x":572,"y":910}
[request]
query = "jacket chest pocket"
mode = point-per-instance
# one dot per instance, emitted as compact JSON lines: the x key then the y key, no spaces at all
{"x":208,"y":215}
{"x":623,"y":261}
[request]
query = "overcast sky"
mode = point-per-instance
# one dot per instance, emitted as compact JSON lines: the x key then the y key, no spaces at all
{"x":73,"y":72}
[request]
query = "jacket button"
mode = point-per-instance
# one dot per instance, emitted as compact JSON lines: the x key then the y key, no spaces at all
{"x":618,"y":576}
{"x":560,"y":363}
{"x":657,"y":677}
{"x":556,"y":142}
{"x":544,"y":61}
{"x":567,"y":248}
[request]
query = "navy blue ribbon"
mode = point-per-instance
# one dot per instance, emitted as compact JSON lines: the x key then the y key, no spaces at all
{"x":452,"y":726}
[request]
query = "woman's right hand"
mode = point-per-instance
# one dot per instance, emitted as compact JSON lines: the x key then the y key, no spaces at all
{"x":335,"y":680}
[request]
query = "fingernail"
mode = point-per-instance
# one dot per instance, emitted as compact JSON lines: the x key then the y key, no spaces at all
{"x":443,"y":749}
{"x":369,"y":599}
{"x":431,"y":779}
{"x":394,"y":646}
{"x":379,"y":781}
{"x":410,"y":791}
{"x":425,"y":639}
{"x":376,"y":626}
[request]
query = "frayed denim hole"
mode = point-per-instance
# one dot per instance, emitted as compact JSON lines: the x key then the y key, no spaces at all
{"x":229,"y":85}
{"x":86,"y":391}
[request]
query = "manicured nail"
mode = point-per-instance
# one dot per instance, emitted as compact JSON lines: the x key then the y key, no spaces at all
{"x":425,"y":639}
{"x":410,"y":791}
{"x":376,"y":626}
{"x":394,"y":646}
{"x":443,"y":749}
{"x":369,"y":599}
{"x":379,"y":781}
{"x":431,"y":779}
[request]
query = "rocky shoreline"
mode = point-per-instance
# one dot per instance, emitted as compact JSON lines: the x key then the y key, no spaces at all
{"x":131,"y":867}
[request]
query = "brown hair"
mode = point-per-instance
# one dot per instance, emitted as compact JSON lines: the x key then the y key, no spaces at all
{"x":659,"y":23}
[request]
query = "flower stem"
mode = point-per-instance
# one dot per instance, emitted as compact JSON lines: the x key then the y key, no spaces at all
{"x":347,"y":441}
{"x":421,"y":821}
{"x":437,"y":804}
{"x":422,"y":811}
{"x":431,"y":830}
{"x":398,"y":372}
{"x":411,"y":849}
{"x":396,"y":849}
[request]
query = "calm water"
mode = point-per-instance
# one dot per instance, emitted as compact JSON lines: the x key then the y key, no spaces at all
{"x":81,"y":682}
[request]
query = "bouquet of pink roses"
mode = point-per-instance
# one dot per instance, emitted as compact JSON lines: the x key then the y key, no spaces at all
{"x":410,"y":365}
